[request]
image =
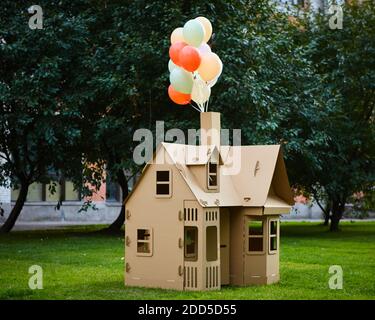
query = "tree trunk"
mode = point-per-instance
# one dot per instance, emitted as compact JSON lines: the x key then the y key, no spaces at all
{"x":11,"y":220}
{"x":326,"y":219}
{"x":337,"y":211}
{"x":119,"y":222}
{"x":326,"y":209}
{"x":327,"y":212}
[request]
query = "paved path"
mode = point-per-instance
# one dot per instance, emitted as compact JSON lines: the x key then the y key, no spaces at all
{"x":48,"y":225}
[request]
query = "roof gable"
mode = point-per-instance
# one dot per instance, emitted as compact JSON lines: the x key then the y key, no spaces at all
{"x":226,"y":195}
{"x":250,"y":176}
{"x":280,"y":183}
{"x":192,"y":154}
{"x":256,"y":165}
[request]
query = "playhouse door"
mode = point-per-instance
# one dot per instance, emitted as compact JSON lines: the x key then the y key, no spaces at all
{"x":192,"y":245}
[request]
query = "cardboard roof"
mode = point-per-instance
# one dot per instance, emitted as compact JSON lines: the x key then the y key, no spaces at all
{"x":250,"y":176}
{"x":226,"y":195}
{"x":259,"y":167}
{"x":275,"y":202}
{"x":191,"y":154}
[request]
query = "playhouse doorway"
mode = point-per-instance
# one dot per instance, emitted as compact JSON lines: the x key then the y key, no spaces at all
{"x":201,"y":247}
{"x":224,"y":245}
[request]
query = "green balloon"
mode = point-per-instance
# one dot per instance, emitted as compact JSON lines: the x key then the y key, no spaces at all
{"x":181,"y":80}
{"x":193,"y":33}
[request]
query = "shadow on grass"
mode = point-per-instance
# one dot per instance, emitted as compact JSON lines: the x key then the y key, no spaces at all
{"x":94,"y":231}
{"x":288,"y":229}
{"x":347,"y":229}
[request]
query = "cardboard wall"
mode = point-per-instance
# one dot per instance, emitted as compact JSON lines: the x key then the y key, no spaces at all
{"x":236,"y":247}
{"x":262,"y":268}
{"x":163,"y":268}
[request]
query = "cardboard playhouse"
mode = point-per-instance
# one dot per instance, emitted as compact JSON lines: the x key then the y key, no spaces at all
{"x":195,"y":223}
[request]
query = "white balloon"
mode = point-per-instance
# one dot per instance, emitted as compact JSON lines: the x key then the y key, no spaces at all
{"x":171,"y":65}
{"x":201,"y":91}
{"x":212,"y":82}
{"x":204,"y":48}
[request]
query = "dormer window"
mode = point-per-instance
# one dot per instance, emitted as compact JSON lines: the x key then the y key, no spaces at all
{"x":212,"y":175}
{"x":163,"y":183}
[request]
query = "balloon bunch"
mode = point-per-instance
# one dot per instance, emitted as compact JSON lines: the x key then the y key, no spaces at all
{"x":193,"y":68}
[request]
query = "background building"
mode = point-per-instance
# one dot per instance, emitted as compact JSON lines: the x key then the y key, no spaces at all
{"x":41,"y":204}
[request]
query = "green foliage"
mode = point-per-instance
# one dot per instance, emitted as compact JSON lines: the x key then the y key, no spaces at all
{"x":78,"y":89}
{"x":40,"y":116}
{"x":345,"y":62}
{"x":268,"y":88}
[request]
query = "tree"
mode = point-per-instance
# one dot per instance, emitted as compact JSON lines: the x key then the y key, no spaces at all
{"x":311,"y":89}
{"x":40,"y":94}
{"x":103,"y":73}
{"x":267,"y":88}
{"x":345,"y":61}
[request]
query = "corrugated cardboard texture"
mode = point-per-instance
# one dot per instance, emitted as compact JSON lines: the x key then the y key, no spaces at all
{"x":258,"y":189}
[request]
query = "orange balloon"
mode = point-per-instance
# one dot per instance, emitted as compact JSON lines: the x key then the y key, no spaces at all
{"x":178,"y":97}
{"x":190,"y":58}
{"x":210,"y":66}
{"x":174,"y":52}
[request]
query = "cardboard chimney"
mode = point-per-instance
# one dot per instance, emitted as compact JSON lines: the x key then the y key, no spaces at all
{"x":210,"y":128}
{"x":191,"y":224}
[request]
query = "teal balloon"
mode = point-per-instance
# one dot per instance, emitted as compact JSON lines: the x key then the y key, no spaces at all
{"x":193,"y":33}
{"x":181,"y":80}
{"x":171,"y":65}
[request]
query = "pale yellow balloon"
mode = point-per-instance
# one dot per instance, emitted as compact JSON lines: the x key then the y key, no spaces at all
{"x":207,"y":27}
{"x":177,"y":36}
{"x":210,"y":66}
{"x":201,"y":91}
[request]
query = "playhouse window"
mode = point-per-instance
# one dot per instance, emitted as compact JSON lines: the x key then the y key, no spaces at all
{"x":255,"y":236}
{"x":144,"y":242}
{"x":212,"y":175}
{"x":211,"y":243}
{"x":273,"y":235}
{"x":163,"y":183}
{"x":191,"y":243}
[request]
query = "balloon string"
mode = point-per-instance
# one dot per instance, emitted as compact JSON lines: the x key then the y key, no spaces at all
{"x":195,"y":108}
{"x":201,"y":94}
{"x":201,"y":107}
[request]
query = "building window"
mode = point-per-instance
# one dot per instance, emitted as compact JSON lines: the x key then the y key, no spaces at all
{"x":71,"y":194}
{"x":163,"y":183}
{"x":255,"y":236}
{"x":211,"y":243}
{"x":62,"y":191}
{"x":144,"y":242}
{"x":14,"y":194}
{"x":35,"y":192}
{"x":191,"y":243}
{"x":273,"y":235}
{"x":53,"y":192}
{"x":212,"y":170}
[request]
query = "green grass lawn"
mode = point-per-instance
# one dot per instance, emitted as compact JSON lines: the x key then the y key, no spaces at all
{"x":81,"y":264}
